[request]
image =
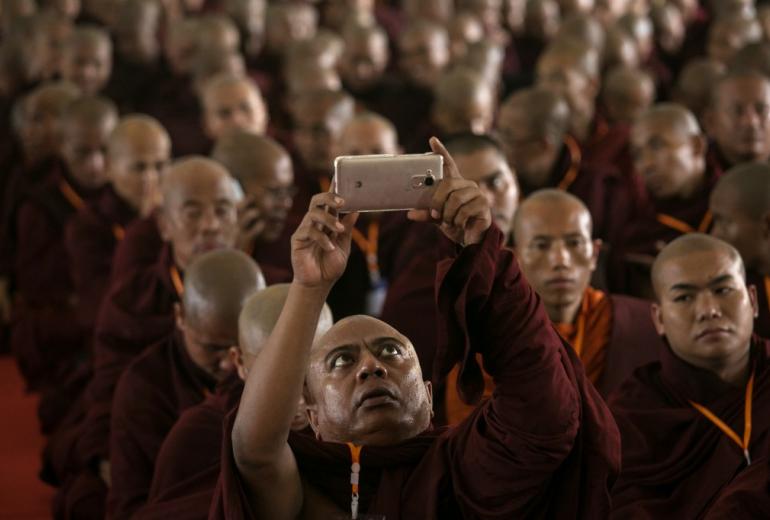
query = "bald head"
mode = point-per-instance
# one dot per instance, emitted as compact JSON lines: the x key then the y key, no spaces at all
{"x":695,"y":83}
{"x":673,"y":116}
{"x":39,"y":117}
{"x":232,"y":101}
{"x":551,"y":198}
{"x":328,"y":111}
{"x":87,"y":58}
{"x":464,"y":102}
{"x":86,"y":127}
{"x":137,"y":131}
{"x":369,"y":133}
{"x":628,"y":92}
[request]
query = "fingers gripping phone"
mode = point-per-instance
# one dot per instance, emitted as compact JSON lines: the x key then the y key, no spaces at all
{"x":387,"y":182}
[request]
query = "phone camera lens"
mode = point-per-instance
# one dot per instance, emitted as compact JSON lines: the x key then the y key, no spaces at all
{"x":429,"y":180}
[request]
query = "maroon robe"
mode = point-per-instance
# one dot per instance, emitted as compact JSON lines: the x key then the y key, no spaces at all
{"x":747,"y":497}
{"x":151,"y":394}
{"x":762,"y":284}
{"x":498,"y":462}
{"x":92,"y":236}
{"x":139,"y":248}
{"x":675,"y":461}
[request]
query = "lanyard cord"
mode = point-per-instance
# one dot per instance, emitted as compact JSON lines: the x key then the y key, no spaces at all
{"x":355,"y":472}
{"x":684,"y":227}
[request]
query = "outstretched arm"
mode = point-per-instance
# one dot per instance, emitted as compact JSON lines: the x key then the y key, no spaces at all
{"x":320,"y":249}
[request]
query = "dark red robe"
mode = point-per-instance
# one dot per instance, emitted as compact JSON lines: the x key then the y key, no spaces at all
{"x":745,"y":498}
{"x":762,"y":284}
{"x":139,"y":248}
{"x":675,"y":461}
{"x":92,"y":236}
{"x":151,"y":395}
{"x":499,"y":462}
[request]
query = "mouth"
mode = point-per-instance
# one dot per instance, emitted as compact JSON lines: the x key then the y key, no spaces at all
{"x":377,"y":397}
{"x":209,"y":246}
{"x":560,"y":283}
{"x":713,"y":333}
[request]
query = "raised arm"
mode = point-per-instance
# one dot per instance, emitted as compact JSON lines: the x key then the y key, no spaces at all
{"x":320,"y":249}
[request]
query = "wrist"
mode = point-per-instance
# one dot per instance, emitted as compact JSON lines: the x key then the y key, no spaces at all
{"x":311,"y":291}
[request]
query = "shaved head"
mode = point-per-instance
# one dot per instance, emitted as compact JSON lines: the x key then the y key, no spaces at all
{"x":369,"y":133}
{"x":464,"y":102}
{"x":628,"y":92}
{"x":751,"y":182}
{"x":552,"y":198}
{"x":137,"y":131}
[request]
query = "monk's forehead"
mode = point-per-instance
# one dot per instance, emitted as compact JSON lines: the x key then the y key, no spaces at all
{"x":696,"y":267}
{"x":354,"y":330}
{"x":542,"y":216}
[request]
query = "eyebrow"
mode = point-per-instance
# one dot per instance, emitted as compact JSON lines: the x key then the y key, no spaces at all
{"x":336,"y":350}
{"x":714,"y":281}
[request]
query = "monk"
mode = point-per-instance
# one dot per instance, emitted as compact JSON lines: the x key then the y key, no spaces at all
{"x":265,"y":172}
{"x":176,"y":373}
{"x":138,"y":153}
{"x":626,"y":94}
{"x":694,"y":86}
{"x":678,"y":417}
{"x":364,"y":59}
{"x":464,"y":28}
{"x":729,"y":33}
{"x":184,"y":480}
{"x":409,"y":304}
{"x":211,"y":63}
{"x":46,"y":335}
{"x":218,"y":32}
{"x":669,"y":153}
{"x":249,"y":16}
{"x":738,"y":120}
{"x":363,"y":386}
{"x":740,"y":206}
{"x":198,"y":215}
{"x":87,"y":59}
{"x":534,"y":127}
{"x":232,"y":102}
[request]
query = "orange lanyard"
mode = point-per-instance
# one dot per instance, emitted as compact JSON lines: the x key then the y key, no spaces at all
{"x":75,"y":200}
{"x":581,"y":328}
{"x":176,"y":279}
{"x":118,"y":232}
{"x":574,"y":167}
{"x":368,"y":245}
{"x":684,"y":227}
{"x":742,"y":443}
{"x":325,"y":184}
{"x":767,"y":290}
{"x":355,"y":473}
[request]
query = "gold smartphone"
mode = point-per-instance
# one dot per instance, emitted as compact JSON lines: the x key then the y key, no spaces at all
{"x":387,"y":182}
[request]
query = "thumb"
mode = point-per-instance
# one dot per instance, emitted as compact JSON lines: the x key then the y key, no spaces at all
{"x":450,"y":168}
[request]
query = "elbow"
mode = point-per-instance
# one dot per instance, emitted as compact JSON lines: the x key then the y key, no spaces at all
{"x":248,"y":451}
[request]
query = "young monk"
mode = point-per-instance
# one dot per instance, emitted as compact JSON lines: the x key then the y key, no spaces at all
{"x":265,"y":172}
{"x":232,"y":102}
{"x":198,"y":215}
{"x":46,"y":335}
{"x":738,"y":120}
{"x":178,"y":372}
{"x":365,"y":389}
{"x":690,"y":423}
{"x":87,"y":59}
{"x":138,"y":153}
{"x":740,"y":205}
{"x":181,"y":480}
{"x":364,"y":59}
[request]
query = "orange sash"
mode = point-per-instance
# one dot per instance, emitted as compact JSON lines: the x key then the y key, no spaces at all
{"x":574,"y":167}
{"x":176,"y":279}
{"x":75,"y":200}
{"x":684,"y":227}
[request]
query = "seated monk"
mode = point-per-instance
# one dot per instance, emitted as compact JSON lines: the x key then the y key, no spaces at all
{"x":534,"y":127}
{"x":691,"y":424}
{"x":265,"y":172}
{"x":670,"y":157}
{"x":46,"y":335}
{"x":364,"y":62}
{"x":738,"y":120}
{"x":198,"y":215}
{"x":87,"y":59}
{"x":695,"y":84}
{"x":611,"y":334}
{"x":740,"y":204}
{"x":367,"y":401}
{"x":188,"y":463}
{"x":176,"y":373}
{"x":138,"y":152}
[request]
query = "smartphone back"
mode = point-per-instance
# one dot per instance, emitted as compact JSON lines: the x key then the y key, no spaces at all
{"x":387,"y":182}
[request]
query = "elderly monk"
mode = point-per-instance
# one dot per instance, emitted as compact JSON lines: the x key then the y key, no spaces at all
{"x":611,"y":334}
{"x":87,"y":59}
{"x":738,"y":120}
{"x":691,"y":424}
{"x":265,"y":172}
{"x":176,"y":373}
{"x":740,"y":205}
{"x":669,"y":154}
{"x":138,"y":152}
{"x":199,"y":214}
{"x":184,"y":481}
{"x":46,"y":334}
{"x":367,"y":401}
{"x":231,"y":102}
{"x":534,"y":127}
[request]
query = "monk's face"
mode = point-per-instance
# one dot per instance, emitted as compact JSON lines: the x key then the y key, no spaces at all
{"x":463,"y":30}
{"x":732,"y":224}
{"x":288,"y":24}
{"x":668,"y":159}
{"x":317,"y":132}
{"x":88,"y":67}
{"x":233,"y":106}
{"x":489,"y":169}
{"x":364,"y":61}
{"x":137,"y":37}
{"x":532,"y":156}
{"x":208,"y":342}
{"x":705,"y":309}
{"x":473,"y":114}
{"x":724,"y":40}
{"x":40,"y":133}
{"x":423,"y":56}
{"x":135,"y":169}
{"x":740,"y":119}
{"x":555,"y":250}
{"x":368,"y":138}
{"x":364,"y":385}
{"x":273,"y":194}
{"x":200,"y":216}
{"x":84,"y":151}
{"x":559,"y":74}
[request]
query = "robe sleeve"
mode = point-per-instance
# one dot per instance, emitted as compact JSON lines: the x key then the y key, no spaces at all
{"x":544,"y":444}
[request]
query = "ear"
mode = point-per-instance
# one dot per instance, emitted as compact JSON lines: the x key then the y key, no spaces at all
{"x":699,"y":145}
{"x":237,"y":360}
{"x":597,"y":245}
{"x":312,"y":419}
{"x":657,"y":319}
{"x":179,"y":316}
{"x":753,"y":299}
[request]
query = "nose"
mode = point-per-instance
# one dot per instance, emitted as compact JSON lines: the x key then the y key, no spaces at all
{"x":706,"y":306}
{"x":225,"y":363}
{"x":558,"y":256}
{"x":751,"y":118}
{"x":210,"y":220}
{"x":370,"y":366}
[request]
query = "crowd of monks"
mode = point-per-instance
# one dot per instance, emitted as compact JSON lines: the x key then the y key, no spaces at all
{"x":572,"y":329}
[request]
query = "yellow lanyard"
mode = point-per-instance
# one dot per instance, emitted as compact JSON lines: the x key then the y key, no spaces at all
{"x":355,"y":472}
{"x":176,"y":279}
{"x":742,"y":443}
{"x":684,"y":227}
